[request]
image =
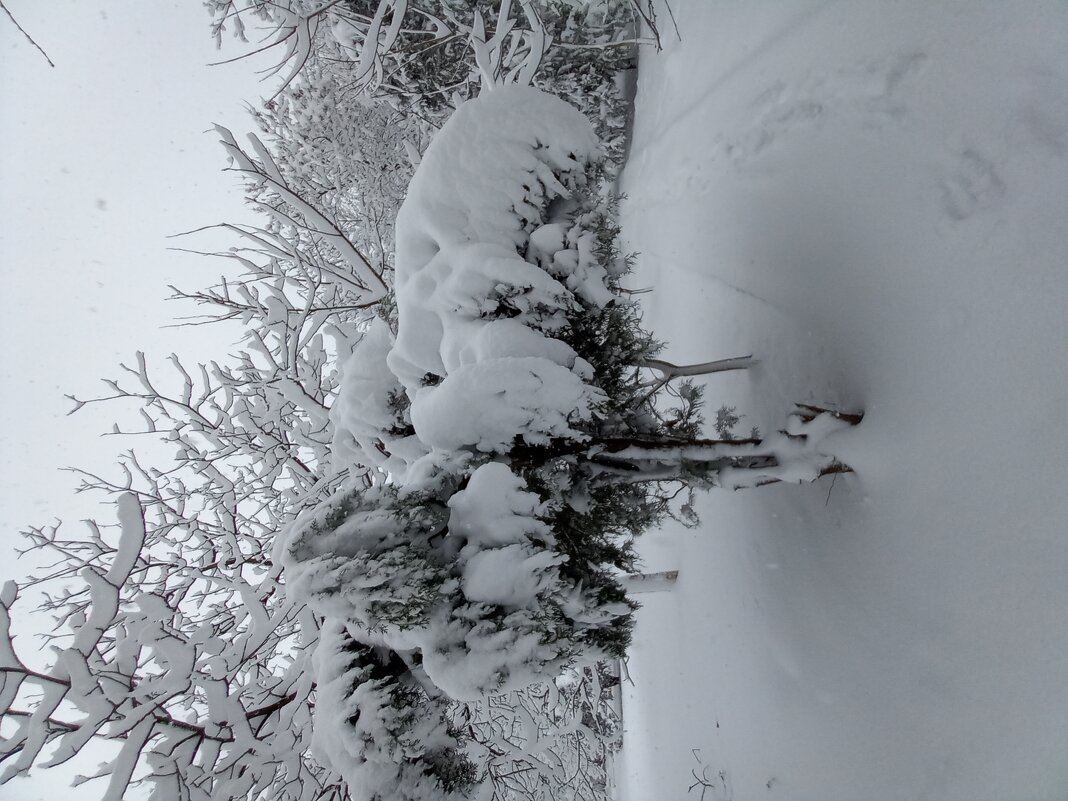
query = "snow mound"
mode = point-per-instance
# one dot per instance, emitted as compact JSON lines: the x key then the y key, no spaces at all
{"x":875,"y":206}
{"x":368,"y":417}
{"x":485,"y":406}
{"x":468,"y":299}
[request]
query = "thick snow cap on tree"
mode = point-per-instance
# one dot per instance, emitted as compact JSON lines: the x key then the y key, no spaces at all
{"x":485,"y":405}
{"x":473,"y":602}
{"x":469,"y":305}
{"x":498,"y":519}
{"x":369,"y":421}
{"x":499,"y":635}
{"x":383,"y":747}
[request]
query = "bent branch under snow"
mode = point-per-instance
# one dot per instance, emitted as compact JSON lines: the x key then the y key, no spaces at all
{"x":669,"y":370}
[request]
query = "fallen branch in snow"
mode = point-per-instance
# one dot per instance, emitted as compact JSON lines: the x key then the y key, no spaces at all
{"x":811,"y":412}
{"x":649,"y":582}
{"x":721,"y":783}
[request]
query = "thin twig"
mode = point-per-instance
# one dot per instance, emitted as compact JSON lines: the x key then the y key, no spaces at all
{"x":24,"y":33}
{"x":673,"y":22}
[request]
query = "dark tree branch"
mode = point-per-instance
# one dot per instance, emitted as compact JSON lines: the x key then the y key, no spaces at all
{"x":24,"y":33}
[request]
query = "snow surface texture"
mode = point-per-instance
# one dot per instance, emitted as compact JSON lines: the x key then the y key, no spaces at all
{"x":872,"y":198}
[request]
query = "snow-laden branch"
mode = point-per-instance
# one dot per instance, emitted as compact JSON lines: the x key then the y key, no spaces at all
{"x":72,"y":667}
{"x":370,"y":282}
{"x":151,"y":679}
{"x":669,"y":370}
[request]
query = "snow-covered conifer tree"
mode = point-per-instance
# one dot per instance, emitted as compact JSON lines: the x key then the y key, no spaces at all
{"x":512,"y":441}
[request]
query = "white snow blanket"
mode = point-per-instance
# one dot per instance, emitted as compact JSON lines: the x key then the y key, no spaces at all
{"x":873,"y":198}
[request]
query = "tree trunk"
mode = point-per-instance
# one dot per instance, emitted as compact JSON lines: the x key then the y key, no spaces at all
{"x":791,"y":455}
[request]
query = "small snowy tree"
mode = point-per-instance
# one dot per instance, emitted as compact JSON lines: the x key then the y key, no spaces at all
{"x":173,"y":638}
{"x":513,"y":438}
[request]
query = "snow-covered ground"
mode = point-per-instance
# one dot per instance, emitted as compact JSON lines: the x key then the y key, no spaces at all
{"x":873,"y":199}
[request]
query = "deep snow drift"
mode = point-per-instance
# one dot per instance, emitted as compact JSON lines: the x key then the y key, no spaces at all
{"x":872,"y":198}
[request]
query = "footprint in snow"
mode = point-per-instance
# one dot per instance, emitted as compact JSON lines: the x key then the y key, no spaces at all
{"x":973,"y":185}
{"x":871,"y":91}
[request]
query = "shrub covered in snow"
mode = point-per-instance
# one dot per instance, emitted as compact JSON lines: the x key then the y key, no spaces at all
{"x":374,"y":720}
{"x":510,"y":444}
{"x":476,"y":553}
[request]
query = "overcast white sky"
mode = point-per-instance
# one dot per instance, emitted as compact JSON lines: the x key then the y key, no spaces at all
{"x":102,"y":158}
